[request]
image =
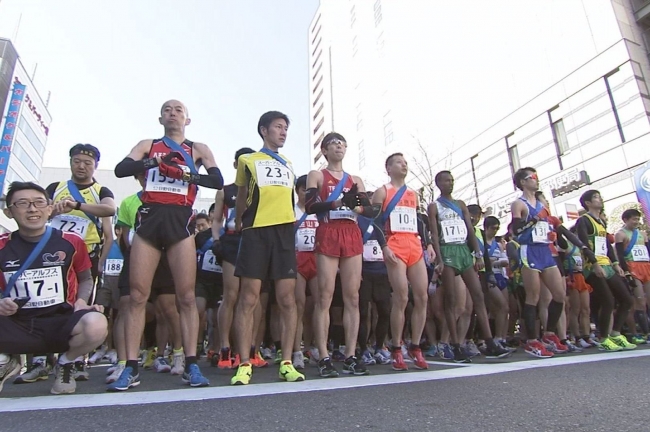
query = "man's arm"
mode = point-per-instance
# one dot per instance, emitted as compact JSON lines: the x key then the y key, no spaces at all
{"x":471,"y":235}
{"x":621,"y":240}
{"x":240,"y":205}
{"x":313,"y":203}
{"x":137,"y":162}
{"x":433,"y":227}
{"x":364,"y":206}
{"x":217,"y":223}
{"x":107,"y":224}
{"x":214,"y":178}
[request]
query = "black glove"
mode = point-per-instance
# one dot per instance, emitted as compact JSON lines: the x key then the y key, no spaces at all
{"x":351,"y":198}
{"x":173,"y":158}
{"x":217,"y":251}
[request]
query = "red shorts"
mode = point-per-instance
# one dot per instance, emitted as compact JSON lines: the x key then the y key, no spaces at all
{"x":306,"y":264}
{"x":640,"y":270}
{"x":406,"y":247}
{"x":338,"y":239}
{"x":577,"y":282}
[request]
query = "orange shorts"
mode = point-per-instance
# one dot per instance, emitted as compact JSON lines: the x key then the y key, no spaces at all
{"x":577,"y":282}
{"x":406,"y":247}
{"x":338,"y":239}
{"x":640,"y":270}
{"x":306,"y":264}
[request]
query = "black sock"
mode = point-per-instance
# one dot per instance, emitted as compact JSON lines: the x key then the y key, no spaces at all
{"x":554,"y":313}
{"x":253,"y":352}
{"x":189,"y":360}
{"x":642,"y":319}
{"x":530,"y":315}
{"x":150,"y":334}
{"x":134,"y":365}
{"x":278,"y":345}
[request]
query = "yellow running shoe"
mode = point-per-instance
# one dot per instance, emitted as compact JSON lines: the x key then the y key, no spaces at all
{"x":151,"y":357}
{"x":608,"y":344}
{"x":243,"y":375}
{"x":289,"y":373}
{"x":622,"y":341}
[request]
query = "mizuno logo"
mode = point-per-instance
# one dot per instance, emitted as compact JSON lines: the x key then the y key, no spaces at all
{"x":10,"y":264}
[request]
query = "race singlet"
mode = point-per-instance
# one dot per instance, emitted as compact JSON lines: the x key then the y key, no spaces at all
{"x":44,"y":286}
{"x":71,"y":223}
{"x":403,"y":219}
{"x":157,"y":182}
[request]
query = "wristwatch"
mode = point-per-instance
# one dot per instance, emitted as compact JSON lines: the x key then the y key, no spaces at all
{"x":186,"y":177}
{"x":77,"y":206}
{"x":477,"y":255}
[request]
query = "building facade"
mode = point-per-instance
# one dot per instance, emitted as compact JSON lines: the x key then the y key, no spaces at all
{"x":25,"y":125}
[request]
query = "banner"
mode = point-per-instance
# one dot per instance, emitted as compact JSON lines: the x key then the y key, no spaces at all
{"x":9,"y":131}
{"x":642,"y":185}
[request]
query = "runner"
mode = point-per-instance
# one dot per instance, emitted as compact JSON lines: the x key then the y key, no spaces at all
{"x":265,"y":216}
{"x":631,"y":245}
{"x":402,"y":250}
{"x":337,"y":198}
{"x":166,"y":222}
{"x":453,"y":236}
{"x":226,"y":247}
{"x":46,"y":285}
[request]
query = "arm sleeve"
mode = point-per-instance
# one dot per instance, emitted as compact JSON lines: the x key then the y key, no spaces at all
{"x":561,"y":240}
{"x":620,"y":249}
{"x":105,"y":192}
{"x":520,"y":225}
{"x":583,"y":231}
{"x":129,"y":167}
{"x":213,"y":180}
{"x":313,"y":204}
{"x":85,"y":287}
{"x":611,"y":254}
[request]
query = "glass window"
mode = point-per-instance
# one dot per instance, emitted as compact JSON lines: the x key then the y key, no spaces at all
{"x":18,"y":152}
{"x":31,"y":136}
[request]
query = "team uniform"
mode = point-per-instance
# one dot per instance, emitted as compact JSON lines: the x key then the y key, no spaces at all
{"x":402,"y":226}
{"x":305,"y":242}
{"x":337,"y":234}
{"x":108,"y":294}
{"x":267,"y":247}
{"x":573,"y":266}
{"x":637,"y":257}
{"x":535,"y":249}
{"x":209,"y":274}
{"x":88,"y":227}
{"x":229,"y":238}
{"x":166,"y":216}
{"x":453,"y":240}
{"x":44,"y":324}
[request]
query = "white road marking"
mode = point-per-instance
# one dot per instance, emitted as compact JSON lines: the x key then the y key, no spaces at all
{"x":224,"y":392}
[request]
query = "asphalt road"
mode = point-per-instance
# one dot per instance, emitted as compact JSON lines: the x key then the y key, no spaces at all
{"x":592,"y":391}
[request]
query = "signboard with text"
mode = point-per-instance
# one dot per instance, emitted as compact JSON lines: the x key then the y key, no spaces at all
{"x":9,"y":130}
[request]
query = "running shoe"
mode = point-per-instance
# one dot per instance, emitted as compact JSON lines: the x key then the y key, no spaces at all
{"x":504,"y":344}
{"x":382,"y":356}
{"x":584,"y":344}
{"x":298,"y":361}
{"x":592,"y":341}
{"x":81,"y":371}
{"x":608,"y":344}
{"x":151,"y":357}
{"x":278,"y":357}
{"x":352,"y":366}
{"x":267,"y":353}
{"x":471,"y":349}
{"x":554,"y":343}
{"x":460,"y":356}
{"x":125,"y":381}
{"x":537,"y":349}
{"x":111,"y":369}
{"x":178,"y":364}
{"x":445,"y":352}
{"x":243,"y":375}
{"x":9,"y":368}
{"x":211,"y":353}
{"x":225,"y":359}
{"x":111,"y":357}
{"x":161,"y":365}
{"x":622,"y":341}
{"x":496,"y":351}
{"x":236,"y":361}
{"x":37,"y":371}
{"x":115,"y":375}
{"x":98,"y":355}
{"x":398,"y":359}
{"x":338,"y":356}
{"x":289,"y":373}
{"x":314,"y":354}
{"x":638,"y":340}
{"x":418,"y":359}
{"x":432,"y":351}
{"x":64,"y":379}
{"x":258,"y":361}
{"x":573,"y":348}
{"x":194,"y":377}
{"x":405,"y":354}
{"x":326,"y":369}
{"x":367,"y":358}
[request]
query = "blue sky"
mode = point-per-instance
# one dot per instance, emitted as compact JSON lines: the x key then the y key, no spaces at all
{"x":111,"y":65}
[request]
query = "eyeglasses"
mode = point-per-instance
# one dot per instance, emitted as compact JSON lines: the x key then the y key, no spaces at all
{"x":532,"y":176}
{"x":337,"y":141}
{"x":25,"y":204}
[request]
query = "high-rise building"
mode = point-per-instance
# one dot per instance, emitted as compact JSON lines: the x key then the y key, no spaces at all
{"x":483,"y":88}
{"x":25,"y":124}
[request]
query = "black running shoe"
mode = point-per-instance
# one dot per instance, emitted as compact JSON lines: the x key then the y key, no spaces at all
{"x":326,"y":369}
{"x":496,"y":351}
{"x":352,"y":366}
{"x":460,"y":356}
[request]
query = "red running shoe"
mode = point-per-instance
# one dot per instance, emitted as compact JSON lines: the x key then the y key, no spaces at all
{"x":418,"y":359}
{"x":554,"y":342}
{"x":537,"y":349}
{"x":398,"y":359}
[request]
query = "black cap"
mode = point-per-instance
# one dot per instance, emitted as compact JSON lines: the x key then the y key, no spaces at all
{"x":85,"y":149}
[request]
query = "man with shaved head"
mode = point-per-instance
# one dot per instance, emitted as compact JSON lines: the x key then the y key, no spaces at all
{"x":165,"y":221}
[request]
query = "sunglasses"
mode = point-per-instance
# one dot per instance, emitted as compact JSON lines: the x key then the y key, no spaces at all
{"x":336,"y":141}
{"x":531,"y":176}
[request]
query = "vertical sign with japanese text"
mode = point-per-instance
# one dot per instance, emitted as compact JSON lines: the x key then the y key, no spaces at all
{"x":642,"y":184}
{"x":10,"y":130}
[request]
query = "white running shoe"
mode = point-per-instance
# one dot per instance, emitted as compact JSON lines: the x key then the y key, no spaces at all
{"x":111,"y":357}
{"x":314,"y":354}
{"x":161,"y":365}
{"x":267,"y":354}
{"x":298,"y":360}
{"x":115,"y":374}
{"x":98,"y":355}
{"x":178,"y":364}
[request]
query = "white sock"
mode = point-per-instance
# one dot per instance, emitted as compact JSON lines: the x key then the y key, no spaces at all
{"x":63,"y":359}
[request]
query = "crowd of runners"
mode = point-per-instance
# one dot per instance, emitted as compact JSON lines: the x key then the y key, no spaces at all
{"x":298,"y":269}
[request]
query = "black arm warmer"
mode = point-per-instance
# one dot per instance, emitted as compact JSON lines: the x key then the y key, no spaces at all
{"x":313,"y":203}
{"x":568,"y":235}
{"x":582,"y":228}
{"x":214,"y":179}
{"x":379,"y":233}
{"x":513,"y":255}
{"x":620,"y":250}
{"x":521,"y":225}
{"x":561,"y":240}
{"x":129,"y":167}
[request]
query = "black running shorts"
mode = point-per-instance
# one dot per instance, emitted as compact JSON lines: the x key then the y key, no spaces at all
{"x":267,"y":253}
{"x":163,"y":225}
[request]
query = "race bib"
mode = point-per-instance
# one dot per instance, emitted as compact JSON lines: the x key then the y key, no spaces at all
{"x":640,"y":253}
{"x":156,"y":182}
{"x":540,"y":232}
{"x":600,"y":246}
{"x":113,"y":267}
{"x":44,"y":286}
{"x":403,"y":219}
{"x":578,"y":262}
{"x":372,"y":251}
{"x":71,"y":223}
{"x":305,"y":239}
{"x":343,"y":214}
{"x":454,"y":230}
{"x":273,"y":173}
{"x":210,"y":263}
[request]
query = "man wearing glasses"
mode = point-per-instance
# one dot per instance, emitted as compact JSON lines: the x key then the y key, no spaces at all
{"x":45,"y":284}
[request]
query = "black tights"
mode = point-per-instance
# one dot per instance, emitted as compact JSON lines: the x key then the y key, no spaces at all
{"x":606,"y":291}
{"x":374,"y":287}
